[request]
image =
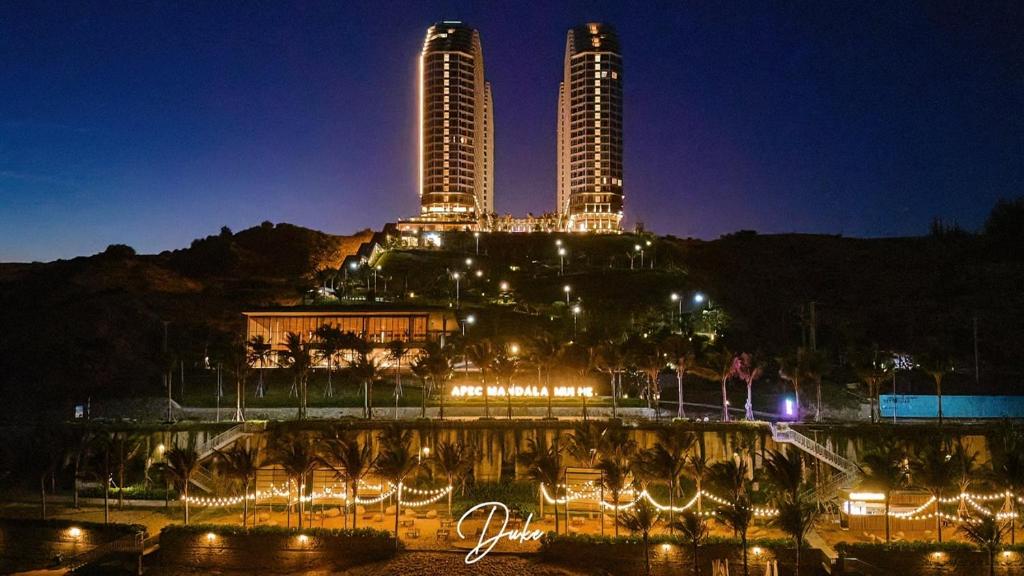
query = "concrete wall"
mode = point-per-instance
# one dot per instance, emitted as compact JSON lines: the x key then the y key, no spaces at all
{"x":32,"y":544}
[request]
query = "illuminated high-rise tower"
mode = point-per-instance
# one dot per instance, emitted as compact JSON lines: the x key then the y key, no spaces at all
{"x":456,"y":171}
{"x":589,"y":148}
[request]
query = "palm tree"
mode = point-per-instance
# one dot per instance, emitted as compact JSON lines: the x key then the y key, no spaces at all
{"x":298,"y":458}
{"x":259,"y":353}
{"x":684,"y":351}
{"x":351,"y":460}
{"x":985,"y":533}
{"x":454,"y":460}
{"x":240,"y":464}
{"x":642,"y":518}
{"x":585,"y":441}
{"x":751,"y":369}
{"x":179,"y":466}
{"x":725,"y":365}
{"x":932,"y":470}
{"x":693,"y":530}
{"x":795,"y":518}
{"x":544,"y":353}
{"x":126,"y":446}
{"x":802,"y":366}
{"x":329,"y":342}
{"x":737,"y":515}
{"x":421,"y":369}
{"x":667,"y":458}
{"x":885,"y":471}
{"x":297,"y":358}
{"x":872,"y":373}
{"x":1008,"y":472}
{"x":238,"y":366}
{"x":611,"y":360}
{"x":786,"y":473}
{"x":395,"y":462}
{"x":481,"y":354}
{"x":937,"y":364}
{"x":544,"y":468}
{"x":615,"y":475}
{"x":505,"y":365}
{"x":365,"y":369}
{"x":965,"y":465}
{"x":698,"y":464}
{"x":438,"y":363}
{"x":730,"y":476}
{"x":396,"y":351}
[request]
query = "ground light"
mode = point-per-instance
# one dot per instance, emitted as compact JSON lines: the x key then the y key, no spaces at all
{"x":303,"y":539}
{"x":211,"y":537}
{"x":75,"y":532}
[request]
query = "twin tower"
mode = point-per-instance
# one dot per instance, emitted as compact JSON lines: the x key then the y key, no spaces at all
{"x":456,"y":135}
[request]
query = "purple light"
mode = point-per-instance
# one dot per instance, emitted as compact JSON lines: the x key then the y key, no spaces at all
{"x":789,"y":409}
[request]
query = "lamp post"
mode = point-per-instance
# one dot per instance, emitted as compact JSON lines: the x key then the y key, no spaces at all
{"x":561,"y":261}
{"x":468,"y":320}
{"x":476,"y":236}
{"x":567,"y":289}
{"x":456,"y":276}
{"x":640,"y":249}
{"x":675,"y":298}
{"x":575,"y":317}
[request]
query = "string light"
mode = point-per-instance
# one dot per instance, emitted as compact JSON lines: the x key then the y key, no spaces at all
{"x":590,"y":494}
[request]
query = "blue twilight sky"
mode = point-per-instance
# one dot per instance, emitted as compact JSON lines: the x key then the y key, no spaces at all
{"x":151,"y":123}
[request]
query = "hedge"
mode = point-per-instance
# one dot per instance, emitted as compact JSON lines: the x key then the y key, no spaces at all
{"x":235,"y":530}
{"x":63,"y":524}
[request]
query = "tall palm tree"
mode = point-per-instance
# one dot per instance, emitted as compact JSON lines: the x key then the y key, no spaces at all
{"x":240,"y":464}
{"x":872,"y":372}
{"x":420,"y":368}
{"x":351,"y":460}
{"x":965,"y":467}
{"x":297,"y":456}
{"x":397,"y":350}
{"x":126,"y":446}
{"x":179,"y":466}
{"x":729,"y":476}
{"x":684,"y":351}
{"x":986,"y":533}
{"x":615,"y":467}
{"x":395,"y":462}
{"x":481,"y":354}
{"x":297,"y":358}
{"x":738,"y":515}
{"x":238,"y":366}
{"x":544,"y":468}
{"x":786,"y":473}
{"x":937,"y":364}
{"x":365,"y":369}
{"x":610,"y":360}
{"x":1008,"y":472}
{"x":329,"y":342}
{"x":505,"y":365}
{"x":259,"y":354}
{"x":454,"y":460}
{"x":751,"y":369}
{"x":698,"y":465}
{"x":885,"y":471}
{"x":795,"y":518}
{"x":724,"y":366}
{"x":932,"y":470}
{"x":693,"y":530}
{"x":439,"y":364}
{"x":642,"y":518}
{"x":545,"y":350}
{"x":585,"y":442}
{"x":805,"y":365}
{"x":667,"y":458}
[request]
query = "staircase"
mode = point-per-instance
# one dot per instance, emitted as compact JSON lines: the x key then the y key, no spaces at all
{"x":202,"y":478}
{"x":131,"y":544}
{"x":848,"y":471}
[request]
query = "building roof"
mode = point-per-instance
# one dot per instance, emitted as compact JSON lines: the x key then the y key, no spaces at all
{"x":595,"y":37}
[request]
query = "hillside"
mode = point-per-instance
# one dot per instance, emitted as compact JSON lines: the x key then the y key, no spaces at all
{"x":93,"y":326}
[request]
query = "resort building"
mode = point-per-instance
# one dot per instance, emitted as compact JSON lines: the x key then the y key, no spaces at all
{"x":589,"y":163}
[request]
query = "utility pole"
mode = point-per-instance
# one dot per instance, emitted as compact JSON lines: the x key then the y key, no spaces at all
{"x":167,"y":374}
{"x":814,"y":327}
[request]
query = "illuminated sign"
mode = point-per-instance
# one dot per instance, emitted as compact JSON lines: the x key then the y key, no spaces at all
{"x":523,"y":391}
{"x":487,"y":540}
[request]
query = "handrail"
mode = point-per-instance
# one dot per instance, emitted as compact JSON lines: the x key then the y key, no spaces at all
{"x":207,"y":448}
{"x":781,"y":432}
{"x":131,"y":543}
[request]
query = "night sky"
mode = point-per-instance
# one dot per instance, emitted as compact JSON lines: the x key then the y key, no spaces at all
{"x":151,"y":124}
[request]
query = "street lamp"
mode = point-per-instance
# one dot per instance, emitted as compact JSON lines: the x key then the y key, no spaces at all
{"x":567,"y":289}
{"x":698,"y":298}
{"x":676,"y":298}
{"x":503,"y":286}
{"x":476,"y":236}
{"x":456,"y":276}
{"x":561,"y":260}
{"x":575,"y":316}
{"x":640,"y":249}
{"x":469,"y":262}
{"x":514,"y":349}
{"x":469,"y":320}
{"x":479,"y":273}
